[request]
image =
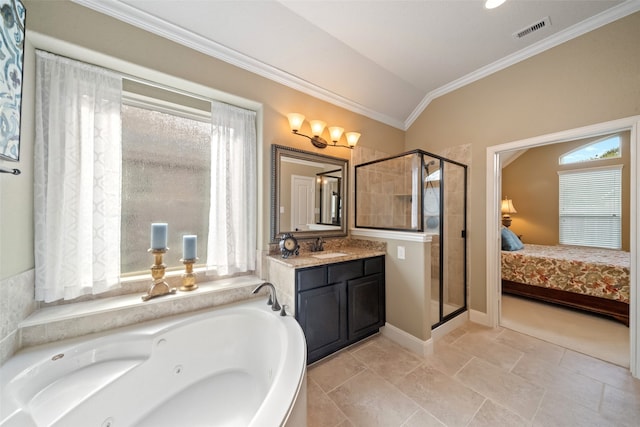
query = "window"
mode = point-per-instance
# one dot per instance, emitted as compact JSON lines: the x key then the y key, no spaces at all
{"x":106,"y":167}
{"x":606,"y":148}
{"x":166,"y":174}
{"x":590,"y":207}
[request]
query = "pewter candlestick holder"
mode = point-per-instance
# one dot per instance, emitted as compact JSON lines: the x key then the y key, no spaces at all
{"x":188,"y":277}
{"x":159,"y":287}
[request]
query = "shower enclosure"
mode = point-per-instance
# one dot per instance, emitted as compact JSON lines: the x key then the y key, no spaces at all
{"x":421,"y":192}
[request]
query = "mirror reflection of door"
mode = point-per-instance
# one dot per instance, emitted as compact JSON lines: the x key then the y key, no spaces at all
{"x":302,"y":202}
{"x":329,"y":198}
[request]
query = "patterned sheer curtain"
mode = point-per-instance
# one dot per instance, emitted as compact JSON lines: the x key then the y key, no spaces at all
{"x":231,"y":245}
{"x":77,"y":178}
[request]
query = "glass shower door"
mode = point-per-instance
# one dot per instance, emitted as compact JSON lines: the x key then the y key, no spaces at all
{"x":454,"y":240}
{"x":446,"y":183}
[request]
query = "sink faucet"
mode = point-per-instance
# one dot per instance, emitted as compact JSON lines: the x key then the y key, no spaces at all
{"x":317,"y":246}
{"x":273,"y":299}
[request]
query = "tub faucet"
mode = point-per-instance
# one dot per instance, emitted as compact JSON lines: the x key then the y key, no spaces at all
{"x":273,"y":299}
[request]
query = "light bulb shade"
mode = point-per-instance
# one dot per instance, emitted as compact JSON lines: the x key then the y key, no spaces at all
{"x":317,"y":126}
{"x":352,"y":138}
{"x":507,"y":207}
{"x":295,"y":121}
{"x":336,"y":133}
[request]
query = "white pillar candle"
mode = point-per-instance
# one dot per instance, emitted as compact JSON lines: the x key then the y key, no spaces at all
{"x":159,"y":235}
{"x":189,"y":244}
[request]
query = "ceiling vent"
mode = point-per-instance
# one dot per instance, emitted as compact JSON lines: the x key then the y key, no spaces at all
{"x":543,"y":23}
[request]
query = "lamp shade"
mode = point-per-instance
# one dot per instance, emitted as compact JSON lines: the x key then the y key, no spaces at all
{"x":295,"y":121}
{"x":336,"y":133}
{"x":317,"y":126}
{"x":507,"y":207}
{"x":352,"y":138}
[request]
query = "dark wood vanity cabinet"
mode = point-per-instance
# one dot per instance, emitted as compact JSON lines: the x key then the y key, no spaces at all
{"x":339,"y":304}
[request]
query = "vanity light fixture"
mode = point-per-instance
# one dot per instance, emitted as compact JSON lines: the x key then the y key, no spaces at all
{"x":317,"y":127}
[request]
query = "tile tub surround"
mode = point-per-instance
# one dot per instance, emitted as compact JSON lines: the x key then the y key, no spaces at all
{"x":74,"y":320}
{"x":476,"y":376}
{"x":16,"y":304}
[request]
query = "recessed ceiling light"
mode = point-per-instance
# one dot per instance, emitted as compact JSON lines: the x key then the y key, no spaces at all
{"x":492,"y":4}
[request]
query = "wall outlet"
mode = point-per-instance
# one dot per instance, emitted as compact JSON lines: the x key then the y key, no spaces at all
{"x":400,"y":252}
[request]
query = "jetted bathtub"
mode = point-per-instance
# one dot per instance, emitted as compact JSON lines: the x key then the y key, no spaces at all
{"x":237,"y":365}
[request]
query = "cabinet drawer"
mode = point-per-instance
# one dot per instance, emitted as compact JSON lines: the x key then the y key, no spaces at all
{"x":373,"y":265}
{"x":345,"y":271}
{"x":311,"y":278}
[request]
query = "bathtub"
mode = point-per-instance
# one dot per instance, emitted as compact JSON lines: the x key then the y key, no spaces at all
{"x":237,"y":365}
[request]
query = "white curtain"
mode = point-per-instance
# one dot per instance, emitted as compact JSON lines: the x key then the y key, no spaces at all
{"x":231,"y":245}
{"x":77,"y":178}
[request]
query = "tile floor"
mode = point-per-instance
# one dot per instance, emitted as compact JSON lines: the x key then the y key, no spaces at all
{"x":477,"y":376}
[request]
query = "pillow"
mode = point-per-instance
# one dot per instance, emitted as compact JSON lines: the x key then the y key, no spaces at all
{"x":510,"y":241}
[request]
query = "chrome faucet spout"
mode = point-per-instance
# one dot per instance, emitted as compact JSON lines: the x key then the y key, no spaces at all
{"x":273,"y":299}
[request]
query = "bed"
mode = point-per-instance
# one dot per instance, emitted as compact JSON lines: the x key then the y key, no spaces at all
{"x":595,"y":280}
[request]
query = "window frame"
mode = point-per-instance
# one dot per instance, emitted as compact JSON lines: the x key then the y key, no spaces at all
{"x":563,"y":239}
{"x":139,"y":283}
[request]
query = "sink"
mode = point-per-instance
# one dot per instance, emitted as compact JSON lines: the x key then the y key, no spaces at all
{"x":329,"y":255}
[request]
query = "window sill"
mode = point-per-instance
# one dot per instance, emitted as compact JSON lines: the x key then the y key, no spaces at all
{"x":60,"y":322}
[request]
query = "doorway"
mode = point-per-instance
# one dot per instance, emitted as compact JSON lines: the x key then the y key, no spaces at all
{"x":493,"y":217}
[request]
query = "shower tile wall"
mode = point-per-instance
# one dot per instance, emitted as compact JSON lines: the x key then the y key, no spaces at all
{"x":385,"y":194}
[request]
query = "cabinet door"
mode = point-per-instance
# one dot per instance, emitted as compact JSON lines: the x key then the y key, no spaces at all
{"x":366,"y":305}
{"x":322,"y":315}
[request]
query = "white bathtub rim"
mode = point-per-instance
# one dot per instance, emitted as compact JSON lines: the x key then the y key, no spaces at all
{"x":147,"y":331}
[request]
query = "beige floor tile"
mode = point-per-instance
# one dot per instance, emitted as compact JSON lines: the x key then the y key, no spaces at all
{"x":579,"y":388}
{"x":447,"y":358}
{"x":478,"y":329}
{"x":423,"y":419}
{"x":447,"y":399}
{"x":368,"y":400}
{"x":558,"y":411}
{"x":608,"y":373}
{"x":333,"y":371}
{"x":485,"y":347}
{"x":387,"y":359}
{"x":533,"y":346}
{"x":493,"y":415}
{"x":321,"y":411}
{"x":621,"y":406}
{"x":504,"y":388}
{"x":454,"y":335}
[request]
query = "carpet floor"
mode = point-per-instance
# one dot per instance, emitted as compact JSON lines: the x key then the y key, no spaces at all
{"x":585,"y":333}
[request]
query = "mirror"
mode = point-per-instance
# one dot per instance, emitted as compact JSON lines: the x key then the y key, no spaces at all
{"x":308,"y":194}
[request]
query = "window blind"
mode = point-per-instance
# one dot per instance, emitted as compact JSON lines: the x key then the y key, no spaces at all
{"x":591,"y":207}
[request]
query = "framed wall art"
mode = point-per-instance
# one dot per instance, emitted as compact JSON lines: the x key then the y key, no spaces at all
{"x":12,"y":30}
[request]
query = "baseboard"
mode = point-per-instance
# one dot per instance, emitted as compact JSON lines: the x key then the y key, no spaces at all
{"x":449,"y":326}
{"x":408,"y":341}
{"x":479,"y":317}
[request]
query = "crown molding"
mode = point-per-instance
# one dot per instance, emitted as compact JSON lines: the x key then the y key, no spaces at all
{"x":150,"y":23}
{"x":126,"y":13}
{"x":604,"y":18}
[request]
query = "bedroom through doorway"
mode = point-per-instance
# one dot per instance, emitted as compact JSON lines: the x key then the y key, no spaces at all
{"x":532,"y":181}
{"x":583,"y":332}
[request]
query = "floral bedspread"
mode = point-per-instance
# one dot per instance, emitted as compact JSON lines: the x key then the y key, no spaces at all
{"x":598,"y":272}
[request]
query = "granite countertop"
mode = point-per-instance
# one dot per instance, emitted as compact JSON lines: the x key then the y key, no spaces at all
{"x":310,"y":259}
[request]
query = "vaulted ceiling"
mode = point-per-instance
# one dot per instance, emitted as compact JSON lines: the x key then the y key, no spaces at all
{"x":386,"y":59}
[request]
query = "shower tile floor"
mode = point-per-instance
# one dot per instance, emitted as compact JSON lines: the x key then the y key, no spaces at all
{"x":477,"y":376}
